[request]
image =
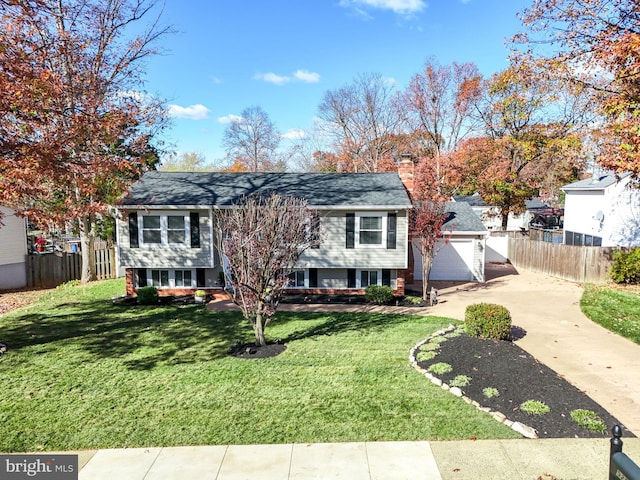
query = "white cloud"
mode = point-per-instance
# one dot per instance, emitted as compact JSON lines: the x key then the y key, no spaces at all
{"x":390,"y":81}
{"x":294,"y":134}
{"x":272,"y":78}
{"x":192,"y":112}
{"x":230,"y":118}
{"x":403,"y":7}
{"x":307,"y":76}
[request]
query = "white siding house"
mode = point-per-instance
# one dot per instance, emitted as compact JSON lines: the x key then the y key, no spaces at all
{"x":603,"y":210}
{"x":13,"y":254}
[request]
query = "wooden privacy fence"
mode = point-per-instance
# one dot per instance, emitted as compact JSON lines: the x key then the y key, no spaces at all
{"x":571,"y":262}
{"x":51,"y":270}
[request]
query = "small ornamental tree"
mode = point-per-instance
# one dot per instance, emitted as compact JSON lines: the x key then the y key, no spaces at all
{"x":262,"y":239}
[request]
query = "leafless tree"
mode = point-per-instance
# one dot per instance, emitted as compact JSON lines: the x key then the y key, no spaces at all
{"x":262,"y":239}
{"x":361,"y":118}
{"x":252,"y":141}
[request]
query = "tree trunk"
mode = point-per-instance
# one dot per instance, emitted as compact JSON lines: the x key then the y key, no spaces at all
{"x":258,"y":326}
{"x":505,"y":222}
{"x":427,"y":261}
{"x":87,"y":236}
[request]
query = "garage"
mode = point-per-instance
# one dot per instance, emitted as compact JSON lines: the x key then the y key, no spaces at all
{"x":454,"y":261}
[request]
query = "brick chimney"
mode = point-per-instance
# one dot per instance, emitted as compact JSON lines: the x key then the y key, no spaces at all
{"x":406,"y":169}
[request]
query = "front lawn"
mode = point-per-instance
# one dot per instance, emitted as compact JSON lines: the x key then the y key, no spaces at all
{"x":83,"y":373}
{"x":617,"y":310}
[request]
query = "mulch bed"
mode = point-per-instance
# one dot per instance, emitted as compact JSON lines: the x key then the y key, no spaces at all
{"x":518,"y":377}
{"x":249,"y":351}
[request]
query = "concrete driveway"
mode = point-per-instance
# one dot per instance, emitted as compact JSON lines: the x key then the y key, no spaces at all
{"x":554,"y":330}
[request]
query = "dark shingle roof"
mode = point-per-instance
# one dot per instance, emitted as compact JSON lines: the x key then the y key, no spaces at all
{"x":462,"y":219}
{"x":225,"y":189}
{"x":473,"y":200}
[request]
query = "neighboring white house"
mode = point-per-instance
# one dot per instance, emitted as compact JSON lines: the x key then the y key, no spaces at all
{"x":603,"y":210}
{"x":490,"y":214}
{"x":13,"y":254}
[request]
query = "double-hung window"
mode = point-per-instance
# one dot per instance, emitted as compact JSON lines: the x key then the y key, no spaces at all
{"x":176,"y":228}
{"x":368,"y":277}
{"x":370,"y":230}
{"x":151,"y":229}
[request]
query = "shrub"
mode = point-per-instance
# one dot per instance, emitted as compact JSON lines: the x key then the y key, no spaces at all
{"x":147,"y":295}
{"x":626,"y":266}
{"x":378,"y":294}
{"x":413,"y":300}
{"x":425,"y":356}
{"x":490,"y":392}
{"x":440,"y":368}
{"x":488,"y":320}
{"x":588,"y":419}
{"x":534,"y":407}
{"x":460,"y":381}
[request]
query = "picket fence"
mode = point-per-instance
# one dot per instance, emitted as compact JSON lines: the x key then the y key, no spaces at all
{"x":51,"y":270}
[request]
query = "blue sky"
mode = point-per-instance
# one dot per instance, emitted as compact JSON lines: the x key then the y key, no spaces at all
{"x":283,"y":55}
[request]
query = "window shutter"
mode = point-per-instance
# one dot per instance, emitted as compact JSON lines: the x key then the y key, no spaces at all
{"x":201,"y":281}
{"x":392,"y":220}
{"x":351,"y":278}
{"x":141,"y":277}
{"x":194,"y":222}
{"x":133,"y":230}
{"x":386,"y":277}
{"x":313,"y":278}
{"x":315,"y":229}
{"x":351,"y":230}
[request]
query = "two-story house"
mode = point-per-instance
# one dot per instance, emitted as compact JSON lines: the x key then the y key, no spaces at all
{"x":165,"y":228}
{"x":602,"y":210}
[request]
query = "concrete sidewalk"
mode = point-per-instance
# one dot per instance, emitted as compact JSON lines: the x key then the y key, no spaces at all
{"x":547,"y":459}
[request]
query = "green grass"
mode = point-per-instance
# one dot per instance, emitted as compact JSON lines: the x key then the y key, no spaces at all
{"x":615,"y":310}
{"x":82,"y":373}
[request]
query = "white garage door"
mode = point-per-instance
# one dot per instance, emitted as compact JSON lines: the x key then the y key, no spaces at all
{"x":453,"y":261}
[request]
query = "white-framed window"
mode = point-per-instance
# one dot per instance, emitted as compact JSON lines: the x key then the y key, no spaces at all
{"x":371,"y":229}
{"x":176,"y":229}
{"x":164,"y":229}
{"x":167,"y":278}
{"x":151,"y":229}
{"x":298,"y":279}
{"x":364,"y":278}
{"x":183,"y":278}
{"x":159,"y":278}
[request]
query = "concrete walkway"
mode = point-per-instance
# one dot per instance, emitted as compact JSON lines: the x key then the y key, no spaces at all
{"x":547,"y":310}
{"x":549,"y":459}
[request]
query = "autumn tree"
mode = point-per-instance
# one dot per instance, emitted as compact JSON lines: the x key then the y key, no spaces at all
{"x":532,"y":126}
{"x":75,"y":127}
{"x":252,"y":141}
{"x":428,"y":214}
{"x":594,"y":44}
{"x":262,"y":239}
{"x":361,"y":119}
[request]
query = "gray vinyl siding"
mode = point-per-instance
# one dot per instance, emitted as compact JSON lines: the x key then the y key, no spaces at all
{"x":156,"y":256}
{"x":334,"y":254}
